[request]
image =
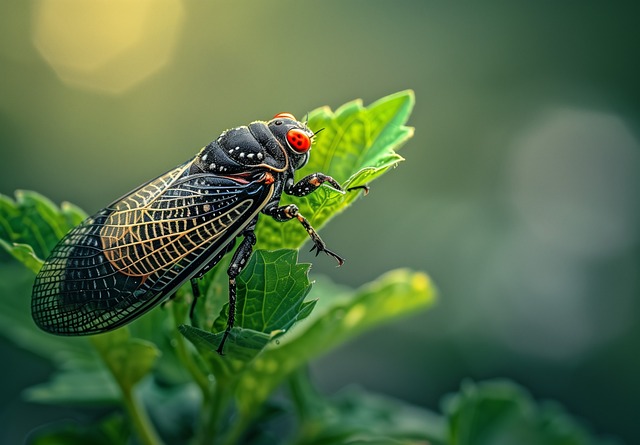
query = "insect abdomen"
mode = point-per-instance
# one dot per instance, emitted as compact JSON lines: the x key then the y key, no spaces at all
{"x":78,"y":291}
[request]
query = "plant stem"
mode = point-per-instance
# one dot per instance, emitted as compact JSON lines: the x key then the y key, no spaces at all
{"x":303,"y":394}
{"x":306,"y":401}
{"x":138,"y":415}
{"x":214,"y":410}
{"x":237,"y":430}
{"x":187,"y":359}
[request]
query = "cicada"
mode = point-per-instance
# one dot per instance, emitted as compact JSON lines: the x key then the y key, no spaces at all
{"x":136,"y":252}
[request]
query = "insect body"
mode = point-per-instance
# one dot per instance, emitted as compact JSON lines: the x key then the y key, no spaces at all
{"x":136,"y":252}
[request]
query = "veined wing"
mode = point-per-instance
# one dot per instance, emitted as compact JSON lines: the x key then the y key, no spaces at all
{"x":130,"y":256}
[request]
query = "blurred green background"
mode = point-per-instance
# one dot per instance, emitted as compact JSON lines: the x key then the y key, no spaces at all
{"x":519,"y":194}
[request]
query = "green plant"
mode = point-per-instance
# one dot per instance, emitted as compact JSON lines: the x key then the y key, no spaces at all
{"x":175,"y":388}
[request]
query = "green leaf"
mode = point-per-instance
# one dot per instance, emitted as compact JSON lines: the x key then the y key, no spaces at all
{"x":158,"y":327}
{"x":356,"y":146}
{"x":76,"y":386}
{"x":73,"y":214}
{"x":357,"y":416}
{"x":16,"y":323}
{"x":271,"y":293}
{"x":128,"y":359}
{"x":273,"y":286}
{"x":29,"y":227}
{"x":94,"y":378}
{"x":377,"y":417}
{"x":25,"y":254}
{"x":35,"y":220}
{"x":241,"y":347}
{"x":81,"y":378}
{"x":394,"y":294}
{"x":502,"y":412}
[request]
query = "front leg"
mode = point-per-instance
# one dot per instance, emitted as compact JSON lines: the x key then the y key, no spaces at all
{"x":310,"y":183}
{"x":288,"y":212}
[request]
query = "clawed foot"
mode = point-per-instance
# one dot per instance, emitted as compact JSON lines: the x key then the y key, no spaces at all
{"x":360,"y":187}
{"x":320,"y":247}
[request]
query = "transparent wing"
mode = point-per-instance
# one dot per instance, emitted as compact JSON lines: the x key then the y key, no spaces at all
{"x":128,"y":257}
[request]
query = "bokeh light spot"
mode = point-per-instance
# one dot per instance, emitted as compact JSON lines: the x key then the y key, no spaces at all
{"x":574,"y":182}
{"x":106,"y":45}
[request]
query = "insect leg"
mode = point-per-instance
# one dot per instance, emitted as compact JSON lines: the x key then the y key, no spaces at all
{"x":288,"y":212}
{"x":310,"y":183}
{"x":238,"y":262}
{"x":194,"y":281}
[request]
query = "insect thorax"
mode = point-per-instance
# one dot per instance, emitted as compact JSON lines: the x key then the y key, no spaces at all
{"x":241,"y":149}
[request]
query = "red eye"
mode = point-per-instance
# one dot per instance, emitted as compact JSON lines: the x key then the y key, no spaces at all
{"x":284,"y":116}
{"x":299,"y":140}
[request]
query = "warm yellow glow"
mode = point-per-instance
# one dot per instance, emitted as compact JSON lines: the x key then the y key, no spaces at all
{"x":108,"y":45}
{"x":355,"y":314}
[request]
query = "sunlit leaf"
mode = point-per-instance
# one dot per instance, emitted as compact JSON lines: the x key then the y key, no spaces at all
{"x":356,"y":146}
{"x":23,"y":253}
{"x":35,"y":220}
{"x":394,"y":294}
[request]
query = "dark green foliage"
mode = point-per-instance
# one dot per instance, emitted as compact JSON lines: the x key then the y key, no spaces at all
{"x":501,"y":412}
